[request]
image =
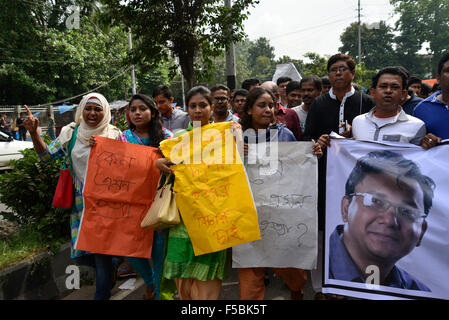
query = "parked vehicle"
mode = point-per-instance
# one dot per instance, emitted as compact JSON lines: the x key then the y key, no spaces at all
{"x":9,"y":150}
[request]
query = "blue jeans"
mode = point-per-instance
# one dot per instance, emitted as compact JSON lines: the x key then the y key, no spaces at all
{"x":104,"y":266}
{"x":151,"y":276}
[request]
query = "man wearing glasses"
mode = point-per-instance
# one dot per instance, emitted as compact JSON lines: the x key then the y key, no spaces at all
{"x":384,"y":210}
{"x":221,"y":98}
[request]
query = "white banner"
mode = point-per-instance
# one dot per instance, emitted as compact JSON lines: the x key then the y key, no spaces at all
{"x":286,"y":70}
{"x":387,"y":217}
{"x":285,"y":192}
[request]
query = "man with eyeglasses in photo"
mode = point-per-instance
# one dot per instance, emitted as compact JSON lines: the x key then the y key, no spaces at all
{"x":221,"y":98}
{"x":384,"y":210}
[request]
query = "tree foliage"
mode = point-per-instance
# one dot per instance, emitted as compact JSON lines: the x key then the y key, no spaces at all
{"x":185,"y":29}
{"x":43,"y":61}
{"x":420,"y":22}
{"x":28,"y":190}
{"x":376,"y":44}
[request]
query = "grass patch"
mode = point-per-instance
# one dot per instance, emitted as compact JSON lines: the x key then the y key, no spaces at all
{"x":25,"y":244}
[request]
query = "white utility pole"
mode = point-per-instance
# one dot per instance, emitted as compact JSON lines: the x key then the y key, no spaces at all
{"x":183,"y":95}
{"x":133,"y":76}
{"x":359,"y":37}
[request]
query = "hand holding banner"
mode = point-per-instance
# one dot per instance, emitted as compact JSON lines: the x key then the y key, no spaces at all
{"x":120,"y":184}
{"x":211,"y":188}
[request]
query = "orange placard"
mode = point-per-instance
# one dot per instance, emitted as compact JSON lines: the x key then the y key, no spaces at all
{"x":120,"y":184}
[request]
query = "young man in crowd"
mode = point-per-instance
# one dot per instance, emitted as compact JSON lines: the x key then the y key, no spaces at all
{"x":310,"y":88}
{"x":282,"y":83}
{"x":173,"y":119}
{"x":284,"y":115}
{"x":415,"y":85}
{"x":248,"y":84}
{"x":412,"y":99}
{"x":326,"y":84}
{"x":434,"y":110}
{"x":238,"y":101}
{"x":293,"y":92}
{"x":221,"y":97}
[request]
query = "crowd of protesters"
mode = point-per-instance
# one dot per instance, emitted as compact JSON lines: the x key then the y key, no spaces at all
{"x":398,"y":107}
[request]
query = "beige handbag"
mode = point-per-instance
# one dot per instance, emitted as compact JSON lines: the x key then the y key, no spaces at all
{"x":163,"y":212}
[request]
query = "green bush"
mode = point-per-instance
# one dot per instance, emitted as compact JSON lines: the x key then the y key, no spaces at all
{"x":28,"y":190}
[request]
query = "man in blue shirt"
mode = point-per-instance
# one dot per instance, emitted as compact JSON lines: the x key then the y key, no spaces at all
{"x":434,"y":110}
{"x":384,"y":209}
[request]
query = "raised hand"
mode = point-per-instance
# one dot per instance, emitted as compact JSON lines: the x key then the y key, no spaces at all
{"x":31,"y":123}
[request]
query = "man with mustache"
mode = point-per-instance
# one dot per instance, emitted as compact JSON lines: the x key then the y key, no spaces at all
{"x":221,"y":104}
{"x":387,"y":200}
{"x":310,"y":88}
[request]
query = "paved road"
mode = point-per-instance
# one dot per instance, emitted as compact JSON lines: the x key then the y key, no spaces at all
{"x":276,"y":290}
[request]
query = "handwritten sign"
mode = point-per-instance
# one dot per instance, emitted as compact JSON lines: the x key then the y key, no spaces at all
{"x":120,"y":184}
{"x":286,"y":200}
{"x":212,"y":191}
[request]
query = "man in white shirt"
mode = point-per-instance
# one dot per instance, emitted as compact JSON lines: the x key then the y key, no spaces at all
{"x":309,"y":88}
{"x":386,"y":121}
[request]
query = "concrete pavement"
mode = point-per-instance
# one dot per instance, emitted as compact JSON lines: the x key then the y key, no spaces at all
{"x":276,"y":290}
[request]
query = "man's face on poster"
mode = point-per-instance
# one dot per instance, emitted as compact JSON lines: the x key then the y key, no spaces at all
{"x":384,"y":217}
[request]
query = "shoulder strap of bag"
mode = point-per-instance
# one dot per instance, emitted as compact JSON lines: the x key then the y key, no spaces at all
{"x":166,"y":179}
{"x":68,"y":159}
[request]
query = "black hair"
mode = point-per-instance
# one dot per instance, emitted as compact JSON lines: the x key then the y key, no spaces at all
{"x":407,"y":74}
{"x":205,"y":92}
{"x":246,"y":119}
{"x":341,"y":57}
{"x":325,"y":81}
{"x":442,"y":61}
{"x":155,"y":132}
{"x":246,"y":84}
{"x":436,"y":87}
{"x":397,"y":71}
{"x":425,"y":89}
{"x":220,"y":87}
{"x":240,"y":92}
{"x":283,"y":79}
{"x":317,"y":82}
{"x":394,"y":164}
{"x":292,"y":85}
{"x":162,"y":90}
{"x":412,"y":80}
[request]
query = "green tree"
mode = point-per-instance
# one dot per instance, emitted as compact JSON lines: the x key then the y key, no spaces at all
{"x":376,"y":44}
{"x":363,"y":76}
{"x":40,"y":63}
{"x":317,"y":64}
{"x":420,"y":22}
{"x":186,"y":29}
{"x":261,"y":59}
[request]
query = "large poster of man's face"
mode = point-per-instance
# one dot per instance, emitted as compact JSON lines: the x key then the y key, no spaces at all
{"x":385,"y":207}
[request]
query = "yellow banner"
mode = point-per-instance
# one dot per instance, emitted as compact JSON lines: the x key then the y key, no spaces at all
{"x":212,"y":190}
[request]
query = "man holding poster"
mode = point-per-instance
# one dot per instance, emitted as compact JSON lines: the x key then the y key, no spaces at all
{"x":386,"y":202}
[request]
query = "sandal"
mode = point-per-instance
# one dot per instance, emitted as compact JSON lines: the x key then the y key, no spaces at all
{"x":126,"y":271}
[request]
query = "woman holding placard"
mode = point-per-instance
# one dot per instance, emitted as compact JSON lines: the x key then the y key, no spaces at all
{"x":91,"y":119}
{"x":145,"y":128}
{"x":196,"y":277}
{"x":258,"y":121}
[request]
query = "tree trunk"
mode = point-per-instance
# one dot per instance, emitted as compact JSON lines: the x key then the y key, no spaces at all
{"x":187,"y":69}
